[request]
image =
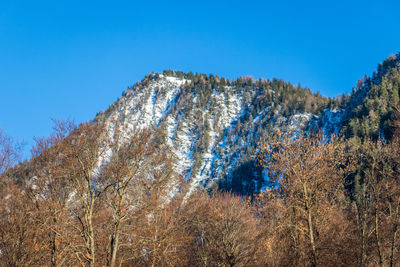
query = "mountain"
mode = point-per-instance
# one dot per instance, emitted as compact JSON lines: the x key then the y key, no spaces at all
{"x":213,"y":125}
{"x":109,"y":192}
{"x":371,"y":109}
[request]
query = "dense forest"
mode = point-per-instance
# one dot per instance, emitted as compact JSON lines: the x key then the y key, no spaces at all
{"x":299,"y":196}
{"x":215,"y":124}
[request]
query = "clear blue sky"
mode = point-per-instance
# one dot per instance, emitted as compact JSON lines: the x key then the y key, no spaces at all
{"x":61,"y":59}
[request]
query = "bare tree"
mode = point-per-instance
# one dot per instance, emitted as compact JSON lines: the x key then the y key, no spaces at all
{"x":377,"y":199}
{"x":85,"y":152}
{"x":21,"y":239}
{"x":160,"y":236}
{"x":10,"y":151}
{"x":51,"y":189}
{"x":224,"y":231}
{"x":308,"y":176}
{"x":139,"y":165}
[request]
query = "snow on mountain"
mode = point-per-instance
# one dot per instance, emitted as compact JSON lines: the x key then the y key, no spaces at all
{"x":211,"y":139}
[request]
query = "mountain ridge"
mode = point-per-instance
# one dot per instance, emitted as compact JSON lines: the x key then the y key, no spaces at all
{"x":227,"y":127}
{"x":213,"y":125}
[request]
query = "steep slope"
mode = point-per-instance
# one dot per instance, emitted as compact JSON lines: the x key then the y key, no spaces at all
{"x":368,"y":112}
{"x":371,"y":109}
{"x":213,"y":125}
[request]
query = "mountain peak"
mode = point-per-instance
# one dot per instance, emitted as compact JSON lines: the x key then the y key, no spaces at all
{"x":213,"y":125}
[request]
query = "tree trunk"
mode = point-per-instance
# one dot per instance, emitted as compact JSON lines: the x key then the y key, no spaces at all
{"x":363,"y":238}
{"x":394,"y":232}
{"x":310,"y":227}
{"x":53,"y":260}
{"x":114,"y":243}
{"x":90,"y":233}
{"x":378,"y":243}
{"x":393,"y":245}
{"x":362,"y":220}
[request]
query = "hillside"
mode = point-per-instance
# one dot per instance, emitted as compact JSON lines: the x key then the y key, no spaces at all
{"x":110,"y":192}
{"x":214,"y":125}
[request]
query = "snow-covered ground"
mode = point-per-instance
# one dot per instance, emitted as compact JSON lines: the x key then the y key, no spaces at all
{"x":155,"y":105}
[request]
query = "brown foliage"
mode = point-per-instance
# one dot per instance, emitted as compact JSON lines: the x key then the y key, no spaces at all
{"x":224,"y":230}
{"x":304,"y":209}
{"x":10,"y":152}
{"x":90,"y":199}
